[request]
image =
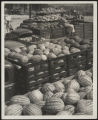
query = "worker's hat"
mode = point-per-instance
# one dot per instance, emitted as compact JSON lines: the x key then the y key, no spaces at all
{"x":8,"y":18}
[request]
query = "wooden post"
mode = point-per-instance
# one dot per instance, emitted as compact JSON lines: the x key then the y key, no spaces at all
{"x":84,"y":30}
{"x":24,"y":8}
{"x":29,"y":10}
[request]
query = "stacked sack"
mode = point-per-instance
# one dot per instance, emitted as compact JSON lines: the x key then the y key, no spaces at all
{"x":19,"y":32}
{"x":70,"y":97}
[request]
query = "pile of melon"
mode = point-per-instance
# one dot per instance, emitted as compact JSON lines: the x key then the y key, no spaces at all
{"x":65,"y":97}
{"x":47,"y":50}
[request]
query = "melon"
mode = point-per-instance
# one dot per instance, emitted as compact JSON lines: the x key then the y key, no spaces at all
{"x":72,"y":98}
{"x":58,"y":46}
{"x":65,"y":52}
{"x":74,"y":50}
{"x":32,"y":109}
{"x":15,"y":55}
{"x":69,"y":45}
{"x":61,"y":61}
{"x":89,"y":73}
{"x":73,"y":84}
{"x":32,"y":47}
{"x":46,"y":44}
{"x":36,"y":58}
{"x":52,"y":55}
{"x":48,"y":95}
{"x":59,"y":86}
{"x":85,"y":106}
{"x":14,"y":109}
{"x":35,"y":96}
{"x":31,"y":52}
{"x":6,"y":51}
{"x":46,"y":51}
{"x":40,"y":103}
{"x":58,"y":94}
{"x":51,"y":46}
{"x":70,"y":108}
{"x":82,"y":95}
{"x":23,"y":59}
{"x":20,"y":99}
{"x":85,"y":41}
{"x":85,"y":80}
{"x":70,"y":90}
{"x":12,"y":55}
{"x":60,"y":55}
{"x":66,"y":81}
{"x":66,"y":40}
{"x":56,"y":51}
{"x":72,"y":41}
{"x":80,"y":73}
{"x":86,"y":89}
{"x":76,"y":44}
{"x":48,"y":87}
{"x":77,"y":38}
{"x":24,"y":49}
{"x":18,"y":50}
{"x":84,"y":47}
{"x":41,"y":46}
{"x":29,"y":56}
{"x":64,"y":96}
{"x":54,"y":105}
{"x":44,"y":57}
{"x":65,"y":48}
{"x":38,"y":52}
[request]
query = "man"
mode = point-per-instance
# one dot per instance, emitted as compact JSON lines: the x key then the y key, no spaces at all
{"x":68,"y":27}
{"x":8,"y":24}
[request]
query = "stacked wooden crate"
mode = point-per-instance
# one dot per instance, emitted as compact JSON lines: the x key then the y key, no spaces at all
{"x":85,"y":30}
{"x":79,"y":30}
{"x":9,"y":83}
{"x":89,"y":30}
{"x":57,"y":32}
{"x":34,"y":74}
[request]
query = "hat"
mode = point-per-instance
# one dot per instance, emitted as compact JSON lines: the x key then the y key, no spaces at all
{"x":8,"y":18}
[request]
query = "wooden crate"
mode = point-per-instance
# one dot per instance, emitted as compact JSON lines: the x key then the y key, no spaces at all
{"x":32,"y":75}
{"x":57,"y":33}
{"x":42,"y":33}
{"x":79,"y":30}
{"x":88,"y":30}
{"x":85,"y":30}
{"x":58,"y":68}
{"x":89,"y":58}
{"x":9,"y":91}
{"x":77,"y":61}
